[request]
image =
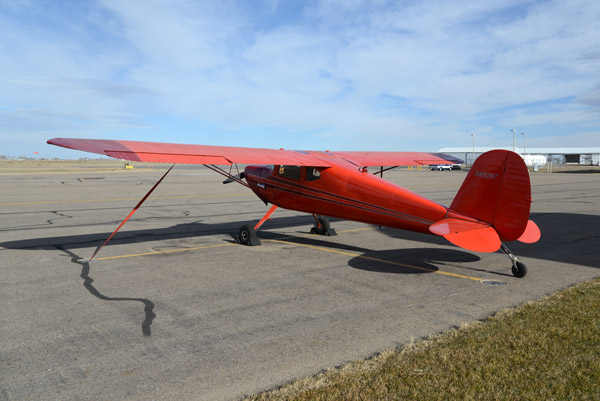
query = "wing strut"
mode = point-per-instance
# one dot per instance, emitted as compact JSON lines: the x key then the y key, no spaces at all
{"x":381,"y":170}
{"x":130,"y":214}
{"x":230,"y":178}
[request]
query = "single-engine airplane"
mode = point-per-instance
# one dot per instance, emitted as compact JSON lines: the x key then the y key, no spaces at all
{"x":491,"y":207}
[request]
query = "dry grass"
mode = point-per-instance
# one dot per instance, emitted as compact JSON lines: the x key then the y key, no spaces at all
{"x":543,"y":350}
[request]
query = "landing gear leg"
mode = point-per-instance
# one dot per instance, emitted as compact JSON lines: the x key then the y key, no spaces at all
{"x":518,"y":269}
{"x":322,"y":226}
{"x":248,"y":233}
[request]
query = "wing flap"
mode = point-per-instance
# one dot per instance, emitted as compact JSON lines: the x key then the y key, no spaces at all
{"x":366,"y":159}
{"x":471,"y":235}
{"x":168,"y":158}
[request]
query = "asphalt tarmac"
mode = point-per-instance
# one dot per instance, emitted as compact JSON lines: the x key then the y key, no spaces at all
{"x":173,"y":309}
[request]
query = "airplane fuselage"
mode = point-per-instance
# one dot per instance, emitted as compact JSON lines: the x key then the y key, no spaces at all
{"x":344,"y":191}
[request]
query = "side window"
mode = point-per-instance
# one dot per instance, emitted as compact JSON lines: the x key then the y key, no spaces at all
{"x":292,"y":172}
{"x":312,"y":174}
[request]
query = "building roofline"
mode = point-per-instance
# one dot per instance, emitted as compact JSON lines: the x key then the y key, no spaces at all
{"x":547,"y":151}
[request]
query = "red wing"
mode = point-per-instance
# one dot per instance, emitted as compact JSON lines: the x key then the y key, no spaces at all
{"x":157,"y":152}
{"x":365,"y":159}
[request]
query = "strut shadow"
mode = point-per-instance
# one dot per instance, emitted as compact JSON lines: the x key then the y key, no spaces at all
{"x":87,"y":283}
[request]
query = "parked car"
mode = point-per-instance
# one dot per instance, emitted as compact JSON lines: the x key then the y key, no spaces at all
{"x":441,"y":167}
{"x":445,"y":167}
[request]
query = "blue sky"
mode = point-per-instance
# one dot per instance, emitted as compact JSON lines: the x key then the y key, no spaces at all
{"x":333,"y":74}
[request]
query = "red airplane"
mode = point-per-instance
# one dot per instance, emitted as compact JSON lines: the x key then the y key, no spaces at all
{"x":491,"y":206}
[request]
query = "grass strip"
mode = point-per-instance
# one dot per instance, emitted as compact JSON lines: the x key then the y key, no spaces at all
{"x":547,"y":349}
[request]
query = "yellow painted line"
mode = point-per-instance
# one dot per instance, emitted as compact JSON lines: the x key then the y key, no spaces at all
{"x":391,"y":262}
{"x":122,"y":199}
{"x":162,"y":252}
{"x":320,"y":248}
{"x":341,"y":232}
{"x":316,"y":235}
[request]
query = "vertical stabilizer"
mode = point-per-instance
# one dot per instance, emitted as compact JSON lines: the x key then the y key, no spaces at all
{"x":497,"y":191}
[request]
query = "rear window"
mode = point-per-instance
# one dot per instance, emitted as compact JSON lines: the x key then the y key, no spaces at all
{"x":312,"y":174}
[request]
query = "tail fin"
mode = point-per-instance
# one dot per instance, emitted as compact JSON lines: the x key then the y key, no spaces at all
{"x":497,"y":191}
{"x":497,"y":194}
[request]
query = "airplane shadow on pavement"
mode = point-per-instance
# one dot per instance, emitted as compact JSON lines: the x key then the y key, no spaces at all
{"x":417,"y":260}
{"x":566,"y":237}
{"x":128,"y":236}
{"x":398,"y":261}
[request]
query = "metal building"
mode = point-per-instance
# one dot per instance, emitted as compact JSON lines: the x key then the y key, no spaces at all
{"x":556,"y":156}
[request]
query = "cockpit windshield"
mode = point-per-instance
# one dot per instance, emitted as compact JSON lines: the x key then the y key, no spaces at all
{"x":292,"y":172}
{"x":296,"y":172}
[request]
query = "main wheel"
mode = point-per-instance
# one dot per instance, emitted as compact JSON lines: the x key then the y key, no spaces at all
{"x":248,"y":235}
{"x":519,"y":269}
{"x":322,"y":227}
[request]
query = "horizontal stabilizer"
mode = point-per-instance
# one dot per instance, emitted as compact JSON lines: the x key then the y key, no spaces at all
{"x":471,"y":235}
{"x":531,"y":234}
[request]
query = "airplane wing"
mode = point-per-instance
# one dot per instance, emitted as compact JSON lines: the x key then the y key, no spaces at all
{"x":157,"y":152}
{"x":366,"y":159}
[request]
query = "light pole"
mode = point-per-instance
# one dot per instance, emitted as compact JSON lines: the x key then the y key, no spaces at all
{"x":473,"y":154}
{"x":524,"y":142}
{"x":514,"y":138}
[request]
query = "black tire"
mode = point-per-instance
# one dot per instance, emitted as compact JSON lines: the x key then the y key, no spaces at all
{"x":322,"y":227}
{"x":519,"y":270}
{"x":247,"y":233}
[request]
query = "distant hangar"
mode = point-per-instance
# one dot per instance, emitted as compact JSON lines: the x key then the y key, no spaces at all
{"x":535,"y":156}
